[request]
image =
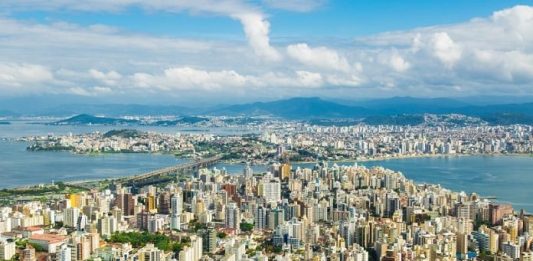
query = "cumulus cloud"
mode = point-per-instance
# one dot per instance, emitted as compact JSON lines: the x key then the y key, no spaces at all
{"x":109,"y":78}
{"x":91,"y":91}
{"x":398,"y":63}
{"x":257,"y":28}
{"x":189,"y":78}
{"x":20,"y":75}
{"x":489,"y":55}
{"x":255,"y":25}
{"x":320,"y":57}
{"x":445,"y":49}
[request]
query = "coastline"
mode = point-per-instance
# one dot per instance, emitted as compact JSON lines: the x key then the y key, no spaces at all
{"x":88,"y":183}
{"x":260,"y":163}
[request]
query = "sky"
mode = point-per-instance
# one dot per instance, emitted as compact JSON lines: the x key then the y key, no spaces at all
{"x":231,"y":51}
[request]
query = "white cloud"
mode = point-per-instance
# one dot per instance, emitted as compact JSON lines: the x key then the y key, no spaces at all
{"x":309,"y":79}
{"x":257,"y":28}
{"x":490,"y":55}
{"x":109,"y":78}
{"x":445,"y":49}
{"x":90,"y":91}
{"x":398,"y":63}
{"x":189,"y":78}
{"x":320,"y":57}
{"x":255,"y":25}
{"x":20,"y":75}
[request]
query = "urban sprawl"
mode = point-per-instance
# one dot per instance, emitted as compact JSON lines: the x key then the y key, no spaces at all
{"x":328,"y":212}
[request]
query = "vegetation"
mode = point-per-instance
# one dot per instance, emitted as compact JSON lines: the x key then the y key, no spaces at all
{"x":58,"y":188}
{"x":508,"y":118}
{"x":140,"y":239}
{"x":246,"y":227}
{"x":125,"y":133}
{"x":39,"y":248}
{"x":478,"y":223}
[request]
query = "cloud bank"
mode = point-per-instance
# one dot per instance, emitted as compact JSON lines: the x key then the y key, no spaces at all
{"x":486,"y":55}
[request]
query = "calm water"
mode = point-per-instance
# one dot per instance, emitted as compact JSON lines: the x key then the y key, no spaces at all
{"x":21,"y":167}
{"x":509,"y":178}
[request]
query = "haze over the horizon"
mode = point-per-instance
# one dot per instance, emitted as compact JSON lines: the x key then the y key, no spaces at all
{"x":231,"y":51}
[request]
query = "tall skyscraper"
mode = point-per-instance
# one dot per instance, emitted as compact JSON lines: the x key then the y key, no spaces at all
{"x":164,"y":203}
{"x":176,"y":207}
{"x":233,"y":216}
{"x":270,"y":189}
{"x":126,"y":202}
{"x":209,"y":239}
{"x":260,"y":218}
{"x":248,"y":171}
{"x":70,"y":217}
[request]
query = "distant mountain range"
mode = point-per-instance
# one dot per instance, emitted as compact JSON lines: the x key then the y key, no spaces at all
{"x":295,"y":108}
{"x":396,"y":109}
{"x":382,"y":110}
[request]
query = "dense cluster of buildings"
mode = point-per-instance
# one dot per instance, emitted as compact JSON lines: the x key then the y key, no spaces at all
{"x":101,"y":142}
{"x":365,"y":141}
{"x":324,"y":213}
{"x":303,"y":142}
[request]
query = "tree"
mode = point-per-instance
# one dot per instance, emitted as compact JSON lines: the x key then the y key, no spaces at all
{"x":246,"y":227}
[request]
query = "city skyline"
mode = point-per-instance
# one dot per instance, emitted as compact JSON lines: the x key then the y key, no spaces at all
{"x":177,"y":51}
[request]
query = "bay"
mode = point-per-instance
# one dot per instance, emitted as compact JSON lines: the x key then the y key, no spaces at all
{"x":19,"y":167}
{"x":508,"y":178}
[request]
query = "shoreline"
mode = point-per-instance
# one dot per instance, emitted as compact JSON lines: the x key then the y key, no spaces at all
{"x":436,"y":156}
{"x":90,"y":183}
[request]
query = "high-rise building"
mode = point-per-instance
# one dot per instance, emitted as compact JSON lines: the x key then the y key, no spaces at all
{"x":176,"y":207}
{"x":126,"y":202}
{"x":151,"y":253}
{"x":462,"y":245}
{"x":77,"y":200}
{"x":260,"y":218}
{"x":64,"y":253}
{"x":164,"y":203}
{"x":107,"y":225}
{"x":275,"y":217}
{"x":194,"y":252}
{"x":233,"y":216}
{"x":498,"y":211}
{"x":512,"y":250}
{"x":150,"y":203}
{"x":70,"y":217}
{"x":285,"y":171}
{"x":248,"y":171}
{"x":209,"y":240}
{"x":142,"y":220}
{"x":7,"y":249}
{"x":270,"y":189}
{"x":231,"y":189}
{"x":28,"y":254}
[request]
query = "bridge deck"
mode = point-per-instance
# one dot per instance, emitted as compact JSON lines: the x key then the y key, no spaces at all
{"x":173,"y":169}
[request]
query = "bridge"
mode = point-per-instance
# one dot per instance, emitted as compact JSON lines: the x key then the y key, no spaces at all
{"x":164,"y":174}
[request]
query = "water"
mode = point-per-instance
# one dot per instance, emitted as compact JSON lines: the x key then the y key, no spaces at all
{"x":19,"y":167}
{"x":508,"y":178}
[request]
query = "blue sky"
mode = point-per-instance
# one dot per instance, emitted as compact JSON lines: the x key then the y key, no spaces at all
{"x":329,"y":19}
{"x":237,"y":50}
